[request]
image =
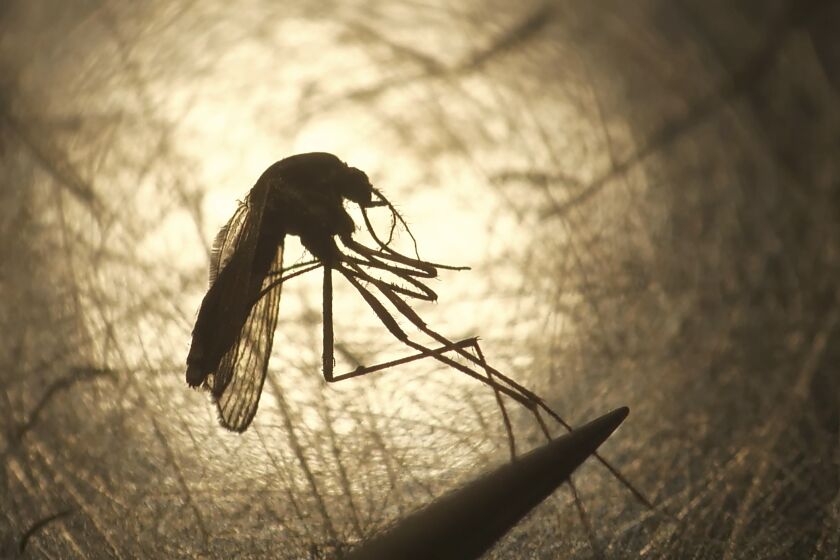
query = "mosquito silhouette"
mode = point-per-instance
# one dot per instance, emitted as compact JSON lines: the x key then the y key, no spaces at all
{"x":304,"y":195}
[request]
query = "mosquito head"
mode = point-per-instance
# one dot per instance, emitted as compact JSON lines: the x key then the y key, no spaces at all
{"x":355,"y":186}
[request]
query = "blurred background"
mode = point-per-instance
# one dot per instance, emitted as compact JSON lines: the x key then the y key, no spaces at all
{"x":647,"y":194}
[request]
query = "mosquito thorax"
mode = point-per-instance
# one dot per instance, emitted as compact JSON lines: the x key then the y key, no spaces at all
{"x":306,"y":196}
{"x":316,"y":173}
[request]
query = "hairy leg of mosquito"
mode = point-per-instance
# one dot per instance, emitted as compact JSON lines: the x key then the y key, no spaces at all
{"x":301,"y":269}
{"x":581,"y":509}
{"x":582,"y":514}
{"x":390,"y":292}
{"x":296,"y":266}
{"x":376,"y":259}
{"x":534,"y":402}
{"x":390,"y":323}
{"x":421,"y":269}
{"x":422,"y":292}
{"x":327,"y":356}
{"x":532,"y":405}
{"x":364,"y":370}
{"x":429,"y":269}
{"x":584,"y":518}
{"x":436,"y":353}
{"x":500,"y":402}
{"x":497,"y":389}
{"x":510,"y":388}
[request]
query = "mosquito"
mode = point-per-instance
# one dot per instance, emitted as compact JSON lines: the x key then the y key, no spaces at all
{"x":305,"y":195}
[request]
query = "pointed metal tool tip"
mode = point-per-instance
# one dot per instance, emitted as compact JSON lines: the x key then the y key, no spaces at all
{"x":611,"y":420}
{"x":466,"y":522}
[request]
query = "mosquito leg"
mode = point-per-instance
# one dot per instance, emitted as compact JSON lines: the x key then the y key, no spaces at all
{"x":408,"y":275}
{"x":390,"y":254}
{"x":584,"y":519}
{"x":420,"y":269}
{"x":479,"y":358}
{"x":581,"y":509}
{"x":307,"y":267}
{"x":510,"y":387}
{"x":327,"y":357}
{"x":533,"y":402}
{"x":499,"y":401}
{"x":391,"y":324}
{"x":422,"y":291}
{"x":390,"y":293}
{"x":364,"y":370}
{"x":297,"y":266}
{"x":526,"y":397}
{"x":516,"y":391}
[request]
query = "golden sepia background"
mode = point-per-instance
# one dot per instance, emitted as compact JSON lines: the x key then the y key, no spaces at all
{"x":647,"y":194}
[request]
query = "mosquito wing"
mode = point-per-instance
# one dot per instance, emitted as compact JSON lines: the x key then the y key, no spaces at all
{"x":240,"y":260}
{"x":235,"y":327}
{"x":233,"y":235}
{"x":238,"y":382}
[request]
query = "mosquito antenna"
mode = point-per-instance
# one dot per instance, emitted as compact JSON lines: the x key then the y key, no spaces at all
{"x":395,"y":215}
{"x":393,"y":229}
{"x":399,"y":257}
